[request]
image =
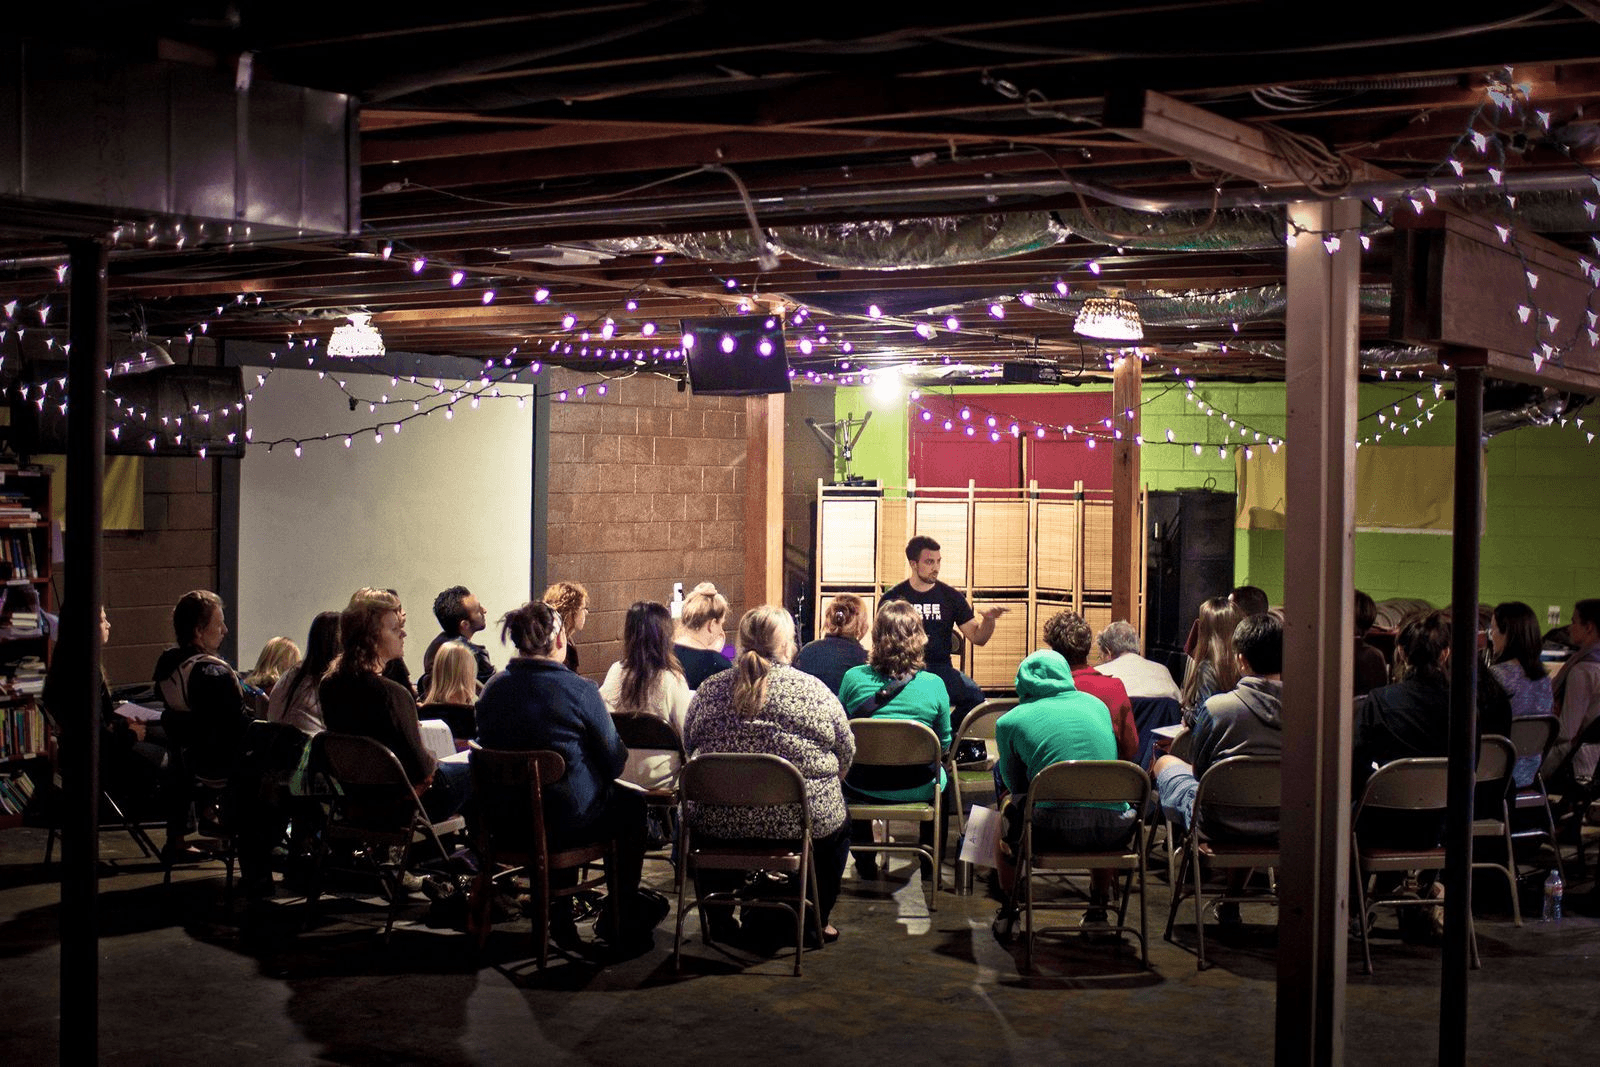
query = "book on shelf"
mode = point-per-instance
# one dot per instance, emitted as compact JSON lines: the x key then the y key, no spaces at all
{"x":15,"y":792}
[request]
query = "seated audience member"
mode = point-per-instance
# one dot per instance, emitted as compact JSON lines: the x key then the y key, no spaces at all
{"x":1120,"y":659}
{"x":357,"y":699}
{"x":132,"y":763}
{"x":1054,"y":721}
{"x":396,"y":670}
{"x":294,"y":699}
{"x":205,"y":715}
{"x":571,"y":602}
{"x":765,"y":705}
{"x":944,"y":611}
{"x":277,"y":657}
{"x":844,"y":623}
{"x":1371,"y":668}
{"x":1246,"y":721}
{"x":1246,"y":600}
{"x":1214,"y":668}
{"x":893,"y":685}
{"x":1249,"y":600}
{"x":1411,"y":717}
{"x":1577,"y":693}
{"x":701,"y":635}
{"x":1514,"y":647}
{"x":1067,"y":633}
{"x":453,"y":691}
{"x":537,"y":703}
{"x":648,"y":680}
{"x":460,"y":616}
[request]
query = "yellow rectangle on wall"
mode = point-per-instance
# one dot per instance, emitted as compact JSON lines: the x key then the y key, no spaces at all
{"x":122,"y":493}
{"x":1405,"y":488}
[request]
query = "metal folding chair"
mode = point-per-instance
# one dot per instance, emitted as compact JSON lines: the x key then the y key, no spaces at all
{"x":899,"y":753}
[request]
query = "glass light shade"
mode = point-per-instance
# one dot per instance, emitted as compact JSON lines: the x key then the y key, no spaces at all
{"x":1109,"y":318}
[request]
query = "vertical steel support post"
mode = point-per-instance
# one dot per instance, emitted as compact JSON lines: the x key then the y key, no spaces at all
{"x":79,"y":647}
{"x":1127,"y":533}
{"x":1463,"y":750}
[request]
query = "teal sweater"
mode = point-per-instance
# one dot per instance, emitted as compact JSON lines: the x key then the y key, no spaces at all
{"x":924,"y":700}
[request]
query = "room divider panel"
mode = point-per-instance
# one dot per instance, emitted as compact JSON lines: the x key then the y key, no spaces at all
{"x":1034,"y":551}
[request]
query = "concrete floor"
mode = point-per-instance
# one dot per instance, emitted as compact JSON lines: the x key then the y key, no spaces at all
{"x":180,"y":983}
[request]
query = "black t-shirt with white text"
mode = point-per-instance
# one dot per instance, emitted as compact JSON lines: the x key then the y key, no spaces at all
{"x":942,"y":609}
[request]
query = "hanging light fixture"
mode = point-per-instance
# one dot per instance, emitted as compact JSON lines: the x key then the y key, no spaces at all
{"x":1111,"y":317}
{"x":152,"y":356}
{"x":358,"y":339}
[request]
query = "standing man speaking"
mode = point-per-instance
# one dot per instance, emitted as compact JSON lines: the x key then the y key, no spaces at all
{"x":943,"y":609}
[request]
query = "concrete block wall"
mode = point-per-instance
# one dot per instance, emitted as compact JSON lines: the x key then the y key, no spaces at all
{"x":646,"y":489}
{"x":147,"y":571}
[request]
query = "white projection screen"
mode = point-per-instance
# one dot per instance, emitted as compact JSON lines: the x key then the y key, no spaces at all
{"x":443,"y":502}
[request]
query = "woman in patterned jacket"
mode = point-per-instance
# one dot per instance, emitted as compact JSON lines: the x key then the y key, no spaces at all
{"x":765,"y":705}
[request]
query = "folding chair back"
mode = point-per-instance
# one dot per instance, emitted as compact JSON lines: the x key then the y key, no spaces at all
{"x":1407,"y":789}
{"x":1533,"y":738}
{"x":1238,"y":785}
{"x":647,"y":731}
{"x":744,"y":780}
{"x":1088,"y":782}
{"x":1491,"y":816}
{"x":374,"y":806}
{"x":1414,"y":785}
{"x":970,"y":780}
{"x":896,"y":754}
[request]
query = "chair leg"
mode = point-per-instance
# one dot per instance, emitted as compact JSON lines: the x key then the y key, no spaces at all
{"x":1025,"y":872}
{"x":1179,"y":874}
{"x":49,"y":845}
{"x":1361,"y":901}
{"x":1144,"y":915}
{"x":804,"y":882}
{"x":1199,"y":904}
{"x":541,"y":889}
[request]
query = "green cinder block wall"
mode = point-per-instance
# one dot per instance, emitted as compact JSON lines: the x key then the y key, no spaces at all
{"x":1541,"y":538}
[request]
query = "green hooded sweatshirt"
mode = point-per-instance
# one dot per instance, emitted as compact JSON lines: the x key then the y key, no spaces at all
{"x":1053,"y":721}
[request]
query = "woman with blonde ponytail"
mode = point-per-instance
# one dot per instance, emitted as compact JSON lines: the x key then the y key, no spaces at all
{"x":765,"y":705}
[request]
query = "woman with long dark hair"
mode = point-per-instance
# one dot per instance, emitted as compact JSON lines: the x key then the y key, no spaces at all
{"x":1514,"y":647}
{"x":294,"y":699}
{"x":648,"y":680}
{"x":1412,"y":716}
{"x":765,"y":705}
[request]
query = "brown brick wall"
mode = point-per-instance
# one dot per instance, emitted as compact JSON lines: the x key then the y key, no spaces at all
{"x":147,"y":571}
{"x":645,"y":490}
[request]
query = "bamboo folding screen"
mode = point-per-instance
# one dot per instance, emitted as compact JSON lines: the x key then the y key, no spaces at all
{"x":1032,"y":551}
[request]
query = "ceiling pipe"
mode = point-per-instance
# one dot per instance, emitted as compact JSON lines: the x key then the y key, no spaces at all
{"x":926,"y":198}
{"x":931,"y":196}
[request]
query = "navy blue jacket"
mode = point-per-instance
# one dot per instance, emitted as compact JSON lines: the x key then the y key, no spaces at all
{"x":536,"y":704}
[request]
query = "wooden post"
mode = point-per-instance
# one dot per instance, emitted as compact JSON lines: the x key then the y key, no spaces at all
{"x":1127,"y":529}
{"x":763,"y":500}
{"x":1321,"y":371}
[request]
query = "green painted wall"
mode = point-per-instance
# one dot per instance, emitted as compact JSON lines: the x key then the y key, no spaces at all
{"x":1541,"y":541}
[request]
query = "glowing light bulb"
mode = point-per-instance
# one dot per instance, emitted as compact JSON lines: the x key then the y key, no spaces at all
{"x":728,"y":343}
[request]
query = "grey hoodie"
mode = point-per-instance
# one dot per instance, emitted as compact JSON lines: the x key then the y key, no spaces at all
{"x":1244,"y":722}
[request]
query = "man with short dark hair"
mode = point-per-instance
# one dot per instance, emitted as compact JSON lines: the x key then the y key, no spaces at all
{"x":1069,"y":634}
{"x":460,"y":616}
{"x":943,"y":610}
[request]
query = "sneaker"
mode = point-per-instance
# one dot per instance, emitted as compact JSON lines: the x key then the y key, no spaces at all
{"x":1228,"y":913}
{"x":1094,"y":919}
{"x":1004,"y":925}
{"x":411,"y":883}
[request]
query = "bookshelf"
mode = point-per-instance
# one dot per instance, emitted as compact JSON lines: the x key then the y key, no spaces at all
{"x":26,"y":545}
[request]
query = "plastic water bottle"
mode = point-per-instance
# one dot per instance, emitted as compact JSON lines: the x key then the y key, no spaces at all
{"x":1552,"y":897}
